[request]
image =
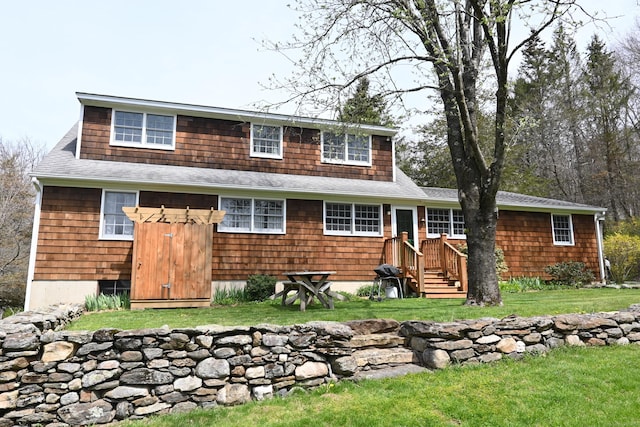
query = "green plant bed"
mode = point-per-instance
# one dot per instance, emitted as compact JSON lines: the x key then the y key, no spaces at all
{"x":569,"y":387}
{"x":522,"y":304}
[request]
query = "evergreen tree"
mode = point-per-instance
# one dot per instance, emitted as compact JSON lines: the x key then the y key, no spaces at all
{"x":607,"y":94}
{"x":363,"y":108}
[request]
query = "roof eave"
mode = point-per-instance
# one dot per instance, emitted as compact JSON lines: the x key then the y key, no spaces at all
{"x":198,"y":188}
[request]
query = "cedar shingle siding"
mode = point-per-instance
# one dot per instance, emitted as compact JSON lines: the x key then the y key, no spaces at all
{"x":527,"y":241}
{"x":223,"y":144}
{"x":68,"y":246}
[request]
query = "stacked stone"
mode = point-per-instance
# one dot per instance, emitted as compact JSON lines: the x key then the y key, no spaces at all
{"x":81,"y":378}
{"x":486,"y":340}
{"x":54,"y":377}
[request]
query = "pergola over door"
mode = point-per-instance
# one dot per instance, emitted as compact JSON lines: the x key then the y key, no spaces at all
{"x":172,"y":253}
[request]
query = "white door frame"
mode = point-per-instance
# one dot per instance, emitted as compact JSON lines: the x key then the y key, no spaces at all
{"x":414,"y":219}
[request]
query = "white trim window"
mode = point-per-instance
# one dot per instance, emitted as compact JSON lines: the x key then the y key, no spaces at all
{"x":114,"y":224}
{"x":352,"y":219}
{"x":266,"y":141}
{"x":248,"y":215}
{"x":562,"y":228}
{"x":445,"y":221}
{"x":134,"y":129}
{"x":347,"y":149}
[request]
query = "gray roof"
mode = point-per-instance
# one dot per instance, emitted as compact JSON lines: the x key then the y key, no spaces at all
{"x":61,"y":167}
{"x":513,"y":201}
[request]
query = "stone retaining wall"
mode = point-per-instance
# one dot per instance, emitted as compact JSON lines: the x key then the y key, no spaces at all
{"x":53,"y":377}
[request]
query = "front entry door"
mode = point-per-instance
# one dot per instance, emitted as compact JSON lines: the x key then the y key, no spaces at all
{"x":404,"y":220}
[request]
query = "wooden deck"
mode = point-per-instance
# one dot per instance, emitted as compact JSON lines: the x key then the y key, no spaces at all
{"x":437,"y":270}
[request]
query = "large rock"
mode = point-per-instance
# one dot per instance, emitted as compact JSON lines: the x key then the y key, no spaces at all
{"x":376,"y":340}
{"x":58,"y":351}
{"x":21,"y":342}
{"x":8,"y":400}
{"x":92,"y":378}
{"x":453,"y":345}
{"x":311,"y":370}
{"x":435,"y":358}
{"x":273,"y":340}
{"x":126,"y":392}
{"x":263,"y":392}
{"x":335,"y":330}
{"x":234,"y":340}
{"x":571,"y":322}
{"x":506,"y":345}
{"x":145,"y":376}
{"x":451,"y":330}
{"x":384,"y":356}
{"x":83,"y":414}
{"x":373,"y":326}
{"x":151,"y":409}
{"x":213,"y":368}
{"x":346,"y":365}
{"x":189,"y":383}
{"x":233,"y":394}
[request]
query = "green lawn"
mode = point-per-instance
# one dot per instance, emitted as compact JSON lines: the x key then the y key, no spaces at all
{"x":521,"y":304}
{"x":566,"y":387}
{"x":569,"y":387}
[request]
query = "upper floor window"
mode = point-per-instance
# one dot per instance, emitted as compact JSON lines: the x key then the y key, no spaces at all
{"x":143,"y":129}
{"x":266,"y":141}
{"x":562,"y":228}
{"x":246,"y":215}
{"x":346,"y":148}
{"x":352,"y":219}
{"x":114,"y":224}
{"x":445,"y":221}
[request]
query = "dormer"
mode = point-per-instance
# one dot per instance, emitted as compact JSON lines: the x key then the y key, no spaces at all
{"x":167,"y":133}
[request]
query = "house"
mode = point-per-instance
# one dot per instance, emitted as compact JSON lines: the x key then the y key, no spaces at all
{"x":219,"y":194}
{"x":533,"y":232}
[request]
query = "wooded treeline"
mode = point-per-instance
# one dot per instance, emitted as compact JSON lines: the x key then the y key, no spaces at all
{"x":573,"y":127}
{"x":17,"y":195}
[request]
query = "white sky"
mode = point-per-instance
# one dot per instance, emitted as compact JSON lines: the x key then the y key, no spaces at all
{"x":192,"y":51}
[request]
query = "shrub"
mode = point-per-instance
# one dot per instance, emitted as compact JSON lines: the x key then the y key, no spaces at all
{"x":501,"y":264}
{"x":629,"y":226}
{"x":260,"y":287}
{"x":224,"y":296}
{"x":526,"y":284}
{"x":107,"y":302}
{"x":570,"y":273}
{"x":623,"y":251}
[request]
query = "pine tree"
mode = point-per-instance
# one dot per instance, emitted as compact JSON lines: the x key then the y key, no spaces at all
{"x":363,"y":108}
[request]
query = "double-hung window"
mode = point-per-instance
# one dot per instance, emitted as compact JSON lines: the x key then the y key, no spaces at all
{"x":349,"y":149}
{"x":143,"y":130}
{"x":445,"y":221}
{"x":562,"y":228}
{"x":114,"y":224}
{"x":352,"y":219}
{"x":247,"y":215}
{"x":266,"y":141}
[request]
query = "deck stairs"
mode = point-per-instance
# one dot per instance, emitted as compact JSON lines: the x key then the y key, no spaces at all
{"x":437,"y":285}
{"x":436,"y":270}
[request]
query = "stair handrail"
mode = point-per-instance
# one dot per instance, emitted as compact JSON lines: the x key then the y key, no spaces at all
{"x":443,"y":256}
{"x":454,"y":264}
{"x":399,"y":252}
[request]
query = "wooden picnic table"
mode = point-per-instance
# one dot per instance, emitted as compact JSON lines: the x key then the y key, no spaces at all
{"x":308,"y":285}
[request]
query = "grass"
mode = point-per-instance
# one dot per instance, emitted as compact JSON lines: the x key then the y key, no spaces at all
{"x":569,"y":387}
{"x":522,"y":304}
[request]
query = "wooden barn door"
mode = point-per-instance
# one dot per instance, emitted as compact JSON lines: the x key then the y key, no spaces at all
{"x":171,"y":265}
